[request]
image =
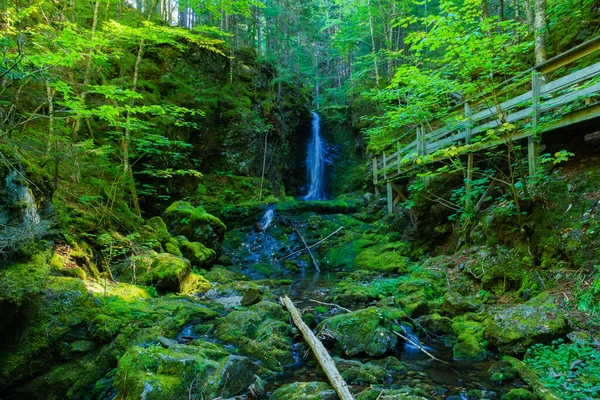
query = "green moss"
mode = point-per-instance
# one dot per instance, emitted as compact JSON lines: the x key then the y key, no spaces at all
{"x":195,"y":224}
{"x":167,"y":272}
{"x":195,"y":283}
{"x":519,"y":394}
{"x":261,"y":332}
{"x":356,"y":373}
{"x":22,"y":281}
{"x":369,"y":330}
{"x":502,"y":372}
{"x":160,"y":228}
{"x":362,"y":287}
{"x":199,"y":255}
{"x":383,"y":258}
{"x":470,"y":344}
{"x":421,"y":291}
{"x":304,"y":391}
{"x":223,"y":275}
{"x":172,"y":247}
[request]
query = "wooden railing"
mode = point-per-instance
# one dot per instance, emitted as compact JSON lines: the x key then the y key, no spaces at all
{"x":562,"y":97}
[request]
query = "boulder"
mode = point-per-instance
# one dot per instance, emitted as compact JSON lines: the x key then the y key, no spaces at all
{"x":304,"y":391}
{"x":369,"y":330}
{"x":167,"y":272}
{"x":262,"y":332}
{"x":196,"y":224}
{"x":516,"y":328}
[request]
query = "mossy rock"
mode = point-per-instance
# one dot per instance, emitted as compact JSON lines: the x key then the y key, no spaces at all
{"x":435,"y":323}
{"x":262,"y":332}
{"x":199,"y":255}
{"x":167,"y":273}
{"x":355,"y":372}
{"x":369,"y":330}
{"x":160,"y":228}
{"x":233,"y":377}
{"x":59,"y":313}
{"x":420,"y":292}
{"x":172,"y":247}
{"x":21,"y":282}
{"x":375,"y":393}
{"x":470,"y":342}
{"x":304,"y":391}
{"x":363,"y":287}
{"x":519,"y":394}
{"x":220,"y":274}
{"x":456,"y":304}
{"x":383,"y":258}
{"x":195,"y":284}
{"x":344,"y":253}
{"x":502,"y":372}
{"x":516,"y":328}
{"x":195,"y":224}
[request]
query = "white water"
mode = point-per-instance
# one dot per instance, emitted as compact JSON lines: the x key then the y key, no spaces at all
{"x":266,"y":220}
{"x":315,"y":163}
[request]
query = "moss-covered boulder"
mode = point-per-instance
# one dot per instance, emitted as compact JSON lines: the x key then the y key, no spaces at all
{"x":422,"y":291}
{"x":167,"y":272}
{"x":363,"y":287}
{"x":204,"y":370}
{"x":519,"y":394}
{"x":196,"y":224}
{"x":516,"y":328}
{"x":470,"y":342}
{"x":435,"y":323}
{"x":262,"y":332}
{"x":456,"y":304}
{"x":502,"y":372}
{"x":304,"y":391}
{"x":195,"y":284}
{"x":199,"y":255}
{"x":21,"y":282}
{"x":377,"y":371}
{"x":369,"y":330}
{"x":383,"y":258}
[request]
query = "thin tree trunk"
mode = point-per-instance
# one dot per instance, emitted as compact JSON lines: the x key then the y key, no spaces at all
{"x":88,"y":69}
{"x":50,"y":96}
{"x":528,"y":14}
{"x":373,"y":47}
{"x":540,"y":31}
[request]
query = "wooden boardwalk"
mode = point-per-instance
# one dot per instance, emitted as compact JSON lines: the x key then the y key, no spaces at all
{"x":536,"y":108}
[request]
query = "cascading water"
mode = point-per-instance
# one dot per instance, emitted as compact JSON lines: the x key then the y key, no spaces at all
{"x":315,"y":163}
{"x":266,"y":220}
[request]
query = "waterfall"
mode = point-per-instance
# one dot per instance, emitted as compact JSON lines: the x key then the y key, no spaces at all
{"x":408,"y":332}
{"x":266,"y":220}
{"x":315,"y":163}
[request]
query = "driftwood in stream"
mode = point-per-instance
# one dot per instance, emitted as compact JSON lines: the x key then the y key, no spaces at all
{"x":321,"y":354}
{"x":307,"y":248}
{"x":312,"y":245}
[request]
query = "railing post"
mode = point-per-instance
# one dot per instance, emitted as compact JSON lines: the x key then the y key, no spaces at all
{"x":468,"y":132}
{"x":424,"y":144}
{"x":384,"y":166}
{"x":390,"y":198}
{"x":398,"y":153}
{"x":533,"y":140}
{"x":375,"y":178}
{"x":469,"y":129}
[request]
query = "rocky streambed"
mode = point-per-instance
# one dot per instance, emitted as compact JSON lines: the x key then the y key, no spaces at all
{"x":197,"y":315}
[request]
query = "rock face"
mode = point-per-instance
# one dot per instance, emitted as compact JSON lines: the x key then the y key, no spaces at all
{"x":516,"y":328}
{"x":364,"y":331}
{"x":304,"y":391}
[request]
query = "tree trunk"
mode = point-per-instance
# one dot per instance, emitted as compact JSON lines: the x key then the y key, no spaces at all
{"x":88,"y":69}
{"x":540,"y":25}
{"x":528,"y":14}
{"x":485,"y":9}
{"x":373,"y":47}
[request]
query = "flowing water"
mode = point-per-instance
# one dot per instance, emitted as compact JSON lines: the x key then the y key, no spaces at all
{"x":315,"y":163}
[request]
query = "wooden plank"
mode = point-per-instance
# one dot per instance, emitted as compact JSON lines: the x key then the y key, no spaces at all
{"x":568,"y":57}
{"x":571,"y":96}
{"x":321,"y":354}
{"x":468,"y":117}
{"x":571,"y":79}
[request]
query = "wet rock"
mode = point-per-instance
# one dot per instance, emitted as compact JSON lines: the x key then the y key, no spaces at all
{"x":355,"y":372}
{"x":364,"y":331}
{"x":502,"y":372}
{"x":516,"y":328}
{"x":421,"y":292}
{"x":233,"y":376}
{"x":579,"y":337}
{"x":519,"y":394}
{"x":304,"y":391}
{"x":435,"y":323}
{"x":166,"y":343}
{"x":262,"y":332}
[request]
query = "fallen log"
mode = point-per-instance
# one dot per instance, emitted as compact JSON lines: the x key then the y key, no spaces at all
{"x":307,"y":248}
{"x":325,"y":360}
{"x":312,"y":245}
